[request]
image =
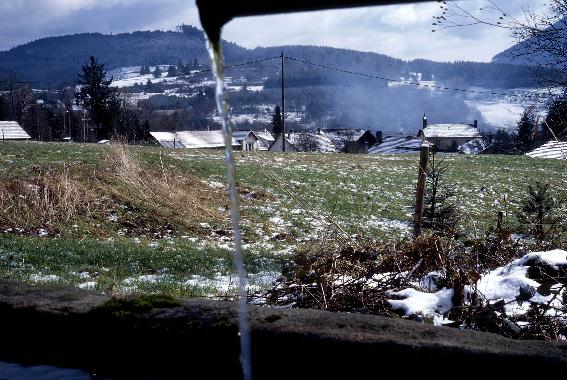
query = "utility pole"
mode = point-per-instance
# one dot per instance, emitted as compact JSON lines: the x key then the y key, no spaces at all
{"x":283,"y":105}
{"x":69,"y":122}
{"x":85,"y":122}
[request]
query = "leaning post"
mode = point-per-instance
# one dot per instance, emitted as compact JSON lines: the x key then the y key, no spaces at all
{"x":420,"y":192}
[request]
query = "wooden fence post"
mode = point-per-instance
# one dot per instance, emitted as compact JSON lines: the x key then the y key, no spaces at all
{"x":420,"y":192}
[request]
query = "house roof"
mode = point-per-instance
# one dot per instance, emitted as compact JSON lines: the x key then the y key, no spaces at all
{"x":263,"y":135}
{"x":394,"y":145}
{"x":552,"y":149}
{"x":192,"y":139}
{"x":340,"y":136}
{"x":11,"y":130}
{"x":451,"y":130}
{"x":240,"y":135}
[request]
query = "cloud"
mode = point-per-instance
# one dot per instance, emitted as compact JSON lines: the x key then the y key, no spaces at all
{"x":25,"y":20}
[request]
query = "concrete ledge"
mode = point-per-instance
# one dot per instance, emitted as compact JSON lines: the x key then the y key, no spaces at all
{"x":80,"y":329}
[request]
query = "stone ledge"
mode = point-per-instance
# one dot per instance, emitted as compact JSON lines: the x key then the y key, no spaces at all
{"x":76,"y":328}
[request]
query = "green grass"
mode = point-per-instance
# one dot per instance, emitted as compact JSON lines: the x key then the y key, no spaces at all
{"x":286,"y":200}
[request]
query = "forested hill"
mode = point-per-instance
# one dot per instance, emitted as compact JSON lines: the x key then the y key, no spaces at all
{"x":57,"y":60}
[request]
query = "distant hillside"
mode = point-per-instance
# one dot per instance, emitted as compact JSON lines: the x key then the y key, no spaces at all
{"x":57,"y":60}
{"x":532,"y":51}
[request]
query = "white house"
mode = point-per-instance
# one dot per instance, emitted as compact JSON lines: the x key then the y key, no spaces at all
{"x":448,"y":137}
{"x":253,"y":140}
{"x":193,"y":139}
{"x":11,"y":130}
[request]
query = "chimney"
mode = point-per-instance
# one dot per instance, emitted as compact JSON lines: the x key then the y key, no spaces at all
{"x":378,"y":137}
{"x":424,"y":121}
{"x":475,"y":123}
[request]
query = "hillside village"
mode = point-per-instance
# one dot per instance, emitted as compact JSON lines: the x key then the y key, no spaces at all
{"x":309,"y":177}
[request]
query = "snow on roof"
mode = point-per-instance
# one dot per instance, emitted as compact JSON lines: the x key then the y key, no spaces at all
{"x":340,"y":136}
{"x":552,"y":149}
{"x":240,"y":135}
{"x":393,"y":145}
{"x":451,"y":130}
{"x":265,"y":136}
{"x":193,"y":139}
{"x":11,"y":130}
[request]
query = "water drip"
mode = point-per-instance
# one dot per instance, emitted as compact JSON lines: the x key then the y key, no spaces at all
{"x":215,"y":50}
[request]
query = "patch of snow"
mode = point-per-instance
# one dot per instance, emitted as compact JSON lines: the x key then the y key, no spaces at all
{"x":44,"y":277}
{"x":426,"y":304}
{"x":90,"y":285}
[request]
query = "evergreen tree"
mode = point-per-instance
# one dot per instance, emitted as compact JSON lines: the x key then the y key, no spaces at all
{"x":195,"y":63}
{"x":502,"y":143}
{"x":98,"y":97}
{"x":526,"y":133}
{"x":538,"y":213}
{"x":439,"y":212}
{"x":157,"y":72}
{"x":277,"y":123}
{"x":149,"y":86}
{"x":555,"y":125}
{"x":143,"y":132}
{"x":172,"y":71}
{"x":144,"y":70}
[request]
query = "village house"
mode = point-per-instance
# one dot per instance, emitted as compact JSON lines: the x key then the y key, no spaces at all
{"x":253,"y":140}
{"x":11,"y":130}
{"x":193,"y":139}
{"x":448,"y":137}
{"x":353,"y":140}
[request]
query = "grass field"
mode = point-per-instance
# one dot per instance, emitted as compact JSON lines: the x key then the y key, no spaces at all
{"x":140,"y":219}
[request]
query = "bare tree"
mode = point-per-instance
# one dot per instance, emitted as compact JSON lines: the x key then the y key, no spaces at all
{"x":306,"y":142}
{"x":542,"y":36}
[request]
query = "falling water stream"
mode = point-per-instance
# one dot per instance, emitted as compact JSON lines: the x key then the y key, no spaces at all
{"x":215,"y":50}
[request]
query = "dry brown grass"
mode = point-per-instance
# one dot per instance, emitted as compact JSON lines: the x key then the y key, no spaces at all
{"x":162,"y":193}
{"x":50,"y":198}
{"x":144,"y":198}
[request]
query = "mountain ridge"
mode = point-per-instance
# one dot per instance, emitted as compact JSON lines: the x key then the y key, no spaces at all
{"x":57,"y":60}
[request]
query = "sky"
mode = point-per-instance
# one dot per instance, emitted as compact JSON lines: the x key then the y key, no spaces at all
{"x":402,"y":31}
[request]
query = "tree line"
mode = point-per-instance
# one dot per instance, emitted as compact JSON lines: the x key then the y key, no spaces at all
{"x":532,"y":131}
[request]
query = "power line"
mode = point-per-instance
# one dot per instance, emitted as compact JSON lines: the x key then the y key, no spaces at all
{"x":372,"y":76}
{"x":243,"y":64}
